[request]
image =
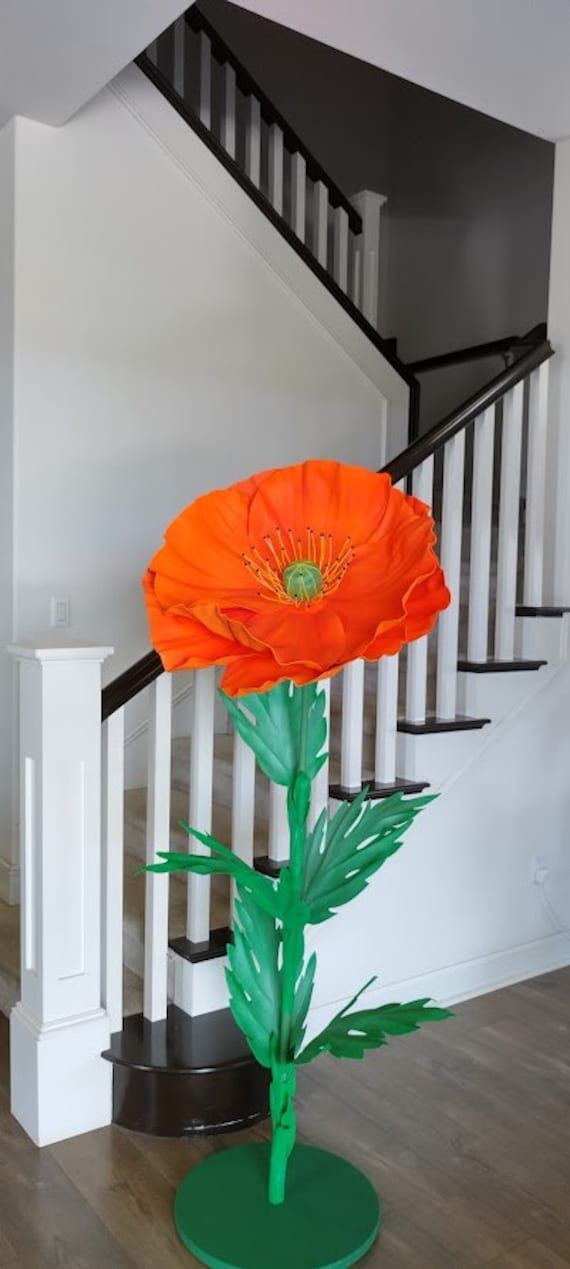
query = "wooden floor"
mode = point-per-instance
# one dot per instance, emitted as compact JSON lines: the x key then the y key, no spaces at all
{"x":464,"y":1129}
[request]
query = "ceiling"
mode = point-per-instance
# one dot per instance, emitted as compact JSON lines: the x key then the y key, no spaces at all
{"x":507,"y":58}
{"x":56,"y":54}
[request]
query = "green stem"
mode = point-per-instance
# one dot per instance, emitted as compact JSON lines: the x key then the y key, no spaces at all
{"x":283,"y":1074}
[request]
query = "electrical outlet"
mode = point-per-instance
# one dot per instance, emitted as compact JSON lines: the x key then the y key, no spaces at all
{"x":59,"y":612}
{"x":541,"y":874}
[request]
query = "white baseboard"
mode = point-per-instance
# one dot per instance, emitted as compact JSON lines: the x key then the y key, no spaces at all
{"x":452,"y":983}
{"x":9,"y":882}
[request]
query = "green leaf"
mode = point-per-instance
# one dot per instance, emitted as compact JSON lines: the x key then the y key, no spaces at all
{"x":303,"y":994}
{"x":343,"y":853}
{"x":253,"y":976}
{"x":349,"y":1035}
{"x":224,"y":861}
{"x":270,"y":723}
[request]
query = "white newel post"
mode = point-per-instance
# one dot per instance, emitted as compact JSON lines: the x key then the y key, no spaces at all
{"x":60,"y":1084}
{"x":369,"y":206}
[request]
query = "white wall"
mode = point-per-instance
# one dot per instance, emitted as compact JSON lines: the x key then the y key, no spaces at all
{"x":158,"y":354}
{"x":54,"y":57}
{"x":7,"y":875}
{"x":456,"y":912}
{"x":559,"y":333}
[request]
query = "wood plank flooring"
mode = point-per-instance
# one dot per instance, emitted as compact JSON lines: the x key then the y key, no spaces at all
{"x":464,"y":1128}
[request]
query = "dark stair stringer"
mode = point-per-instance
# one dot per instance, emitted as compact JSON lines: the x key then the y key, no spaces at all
{"x":186,"y":1076}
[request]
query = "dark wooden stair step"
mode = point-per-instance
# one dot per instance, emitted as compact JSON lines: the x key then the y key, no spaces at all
{"x":432,"y":725}
{"x":185,"y":1076}
{"x":527,"y":610}
{"x":378,"y":790}
{"x":498,"y":667}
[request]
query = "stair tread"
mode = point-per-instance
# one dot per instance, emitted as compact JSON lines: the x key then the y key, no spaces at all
{"x":180,"y":1042}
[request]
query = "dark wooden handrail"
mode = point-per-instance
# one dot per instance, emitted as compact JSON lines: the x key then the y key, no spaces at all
{"x":438,"y":436}
{"x":130,"y":683}
{"x":269,"y":112}
{"x":458,"y":355}
{"x":476,"y":352}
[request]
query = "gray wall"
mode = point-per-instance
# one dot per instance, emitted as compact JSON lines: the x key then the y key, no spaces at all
{"x":467,"y":229}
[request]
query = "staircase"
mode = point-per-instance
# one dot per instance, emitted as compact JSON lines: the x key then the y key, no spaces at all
{"x":131,"y":965}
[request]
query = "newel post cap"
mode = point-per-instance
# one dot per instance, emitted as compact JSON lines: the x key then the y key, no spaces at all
{"x":47,"y":650}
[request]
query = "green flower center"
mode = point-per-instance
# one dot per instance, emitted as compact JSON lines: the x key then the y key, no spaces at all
{"x":302,"y":580}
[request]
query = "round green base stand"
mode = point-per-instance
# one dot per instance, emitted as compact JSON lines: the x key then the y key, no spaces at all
{"x":329,"y":1220}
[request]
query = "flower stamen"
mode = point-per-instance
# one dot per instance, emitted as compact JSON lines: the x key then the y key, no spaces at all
{"x":286,"y":575}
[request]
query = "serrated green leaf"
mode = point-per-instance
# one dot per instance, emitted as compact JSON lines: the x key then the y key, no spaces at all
{"x":349,"y":1035}
{"x":270,"y":723}
{"x":223,"y":862}
{"x":303,"y":994}
{"x":343,"y":853}
{"x":253,"y":976}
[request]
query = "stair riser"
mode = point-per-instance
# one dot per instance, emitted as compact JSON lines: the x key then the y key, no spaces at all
{"x":495,"y":695}
{"x":543,"y":638}
{"x":436,"y":756}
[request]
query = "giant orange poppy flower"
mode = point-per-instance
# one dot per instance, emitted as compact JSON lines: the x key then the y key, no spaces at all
{"x":293,"y":573}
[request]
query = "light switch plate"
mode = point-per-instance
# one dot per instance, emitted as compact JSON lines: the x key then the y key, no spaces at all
{"x":59,"y":612}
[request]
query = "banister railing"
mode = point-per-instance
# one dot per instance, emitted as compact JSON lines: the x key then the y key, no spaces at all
{"x":270,"y":113}
{"x":426,"y":446}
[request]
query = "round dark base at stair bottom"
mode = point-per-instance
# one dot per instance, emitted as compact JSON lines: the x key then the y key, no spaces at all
{"x":186,"y":1076}
{"x":329,"y":1220}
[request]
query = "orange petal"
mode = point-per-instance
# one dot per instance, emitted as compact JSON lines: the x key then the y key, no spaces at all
{"x":182,"y":641}
{"x":329,"y":497}
{"x":259,"y":672}
{"x":313,"y":636}
{"x":202,"y":554}
{"x":426,"y":599}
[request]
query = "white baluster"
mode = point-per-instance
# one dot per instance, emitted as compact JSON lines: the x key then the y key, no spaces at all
{"x":229,"y":110}
{"x":320,"y":225}
{"x":200,"y":812}
{"x":179,"y":68}
{"x":416,"y":684}
{"x":253,"y":142}
{"x":205,"y":79}
{"x":369,"y":206}
{"x":507,"y":558}
{"x":157,"y":838}
{"x":320,"y":789}
{"x":341,"y":247}
{"x":298,"y":194}
{"x":113,"y":818}
{"x":386,"y":720}
{"x":481,"y":516}
{"x":536,"y":486}
{"x":276,"y":168}
{"x":59,"y":1082}
{"x":450,"y":556}
{"x":278,"y":824}
{"x":243,"y":803}
{"x":356,"y":274}
{"x":352,"y":725}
